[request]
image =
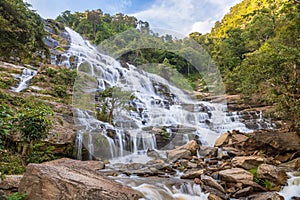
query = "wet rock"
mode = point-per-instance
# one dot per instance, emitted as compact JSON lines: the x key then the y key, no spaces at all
{"x":272,"y":173}
{"x":58,"y":180}
{"x":235,"y":175}
{"x":248,"y":162}
{"x":193,"y":174}
{"x":265,"y":196}
{"x":209,"y":181}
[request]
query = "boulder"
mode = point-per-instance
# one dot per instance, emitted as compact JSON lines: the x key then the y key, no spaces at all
{"x":265,"y":196}
{"x":245,"y":192}
{"x":248,"y":162}
{"x":272,"y":173}
{"x":177,"y":154}
{"x":222,"y":139}
{"x":193,"y":174}
{"x":236,"y":175}
{"x":71,"y":179}
{"x":209,"y":181}
{"x":183,"y":152}
{"x":291,"y":165}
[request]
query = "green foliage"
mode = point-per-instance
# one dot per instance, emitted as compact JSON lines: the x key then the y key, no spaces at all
{"x":263,"y":182}
{"x":97,"y":26}
{"x":41,"y":152}
{"x":110,"y":101}
{"x":11,"y":163}
{"x":34,"y":121}
{"x":22,"y":32}
{"x":256,"y":47}
{"x":5,"y":123}
{"x":16,"y":196}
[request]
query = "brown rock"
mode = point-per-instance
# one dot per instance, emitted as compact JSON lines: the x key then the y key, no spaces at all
{"x":209,"y":181}
{"x":266,"y":196}
{"x":177,"y":154}
{"x":10,"y":184}
{"x":222,"y":139}
{"x":248,"y":162}
{"x":214,"y":191}
{"x":183,"y":152}
{"x":272,"y":173}
{"x":244,"y":192}
{"x":193,"y":174}
{"x":57,"y":180}
{"x":235,"y":175}
{"x":213,"y":197}
{"x":291,"y":165}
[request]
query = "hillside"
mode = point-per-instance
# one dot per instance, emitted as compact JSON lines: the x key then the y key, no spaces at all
{"x":256,"y":47}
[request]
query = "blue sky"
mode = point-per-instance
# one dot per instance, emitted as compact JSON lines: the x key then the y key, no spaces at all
{"x":181,"y":16}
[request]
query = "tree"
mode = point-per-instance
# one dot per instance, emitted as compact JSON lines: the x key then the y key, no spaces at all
{"x":34,"y":122}
{"x":111,"y":100}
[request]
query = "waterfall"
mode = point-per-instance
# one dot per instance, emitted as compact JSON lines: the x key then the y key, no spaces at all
{"x":155,"y":103}
{"x":25,"y":79}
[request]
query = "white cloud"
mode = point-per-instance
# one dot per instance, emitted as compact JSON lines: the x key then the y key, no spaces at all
{"x":186,"y":16}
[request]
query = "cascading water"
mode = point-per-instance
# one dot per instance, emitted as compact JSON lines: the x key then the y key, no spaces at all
{"x":154,"y":104}
{"x":25,"y":79}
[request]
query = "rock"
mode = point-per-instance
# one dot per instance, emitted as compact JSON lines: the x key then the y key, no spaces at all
{"x":248,"y":162}
{"x":231,"y":151}
{"x":265,"y":196}
{"x":291,"y":165}
{"x":222,"y":139}
{"x":243,"y":192}
{"x":213,"y":197}
{"x":209,"y":181}
{"x":236,"y":175}
{"x":177,"y":154}
{"x":273,"y":142}
{"x":207,"y":151}
{"x":10,"y":184}
{"x":183,"y":152}
{"x":192,"y":146}
{"x":214,"y":191}
{"x":272,"y":173}
{"x":71,"y":179}
{"x":193,"y":174}
{"x":2,"y":195}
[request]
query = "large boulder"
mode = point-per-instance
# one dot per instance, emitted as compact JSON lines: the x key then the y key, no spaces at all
{"x":248,"y":162}
{"x":236,"y":175}
{"x":186,"y":151}
{"x":272,"y":173}
{"x":72,"y":179}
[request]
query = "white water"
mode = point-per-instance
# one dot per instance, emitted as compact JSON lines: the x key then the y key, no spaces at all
{"x":293,"y":187}
{"x":25,"y":79}
{"x":156,"y":103}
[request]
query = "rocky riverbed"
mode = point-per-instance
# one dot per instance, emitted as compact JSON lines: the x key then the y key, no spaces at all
{"x":240,"y":165}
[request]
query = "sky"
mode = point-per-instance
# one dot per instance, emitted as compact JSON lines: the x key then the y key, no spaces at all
{"x":178,"y":16}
